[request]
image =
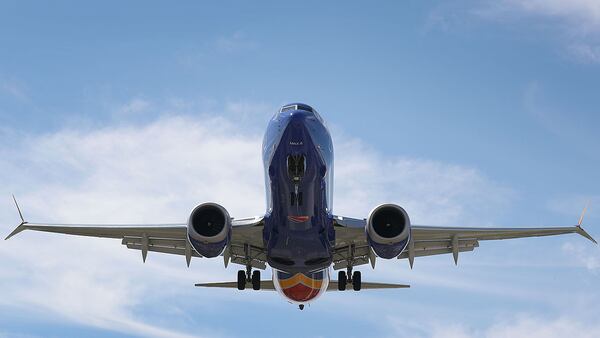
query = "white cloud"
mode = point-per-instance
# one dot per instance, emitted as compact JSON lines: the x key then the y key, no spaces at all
{"x":573,"y":205}
{"x":533,"y":327}
{"x":432,"y":192}
{"x":134,"y":106}
{"x":585,"y":53}
{"x":578,"y":19}
{"x":582,"y":16}
{"x":157,"y":172}
{"x":238,"y":41}
{"x":571,"y":126}
{"x":587,"y":255}
{"x":524,"y":325}
{"x":574,"y":23}
{"x":14,"y":89}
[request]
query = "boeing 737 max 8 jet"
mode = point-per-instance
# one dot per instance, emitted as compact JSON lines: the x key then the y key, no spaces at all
{"x":299,"y":237}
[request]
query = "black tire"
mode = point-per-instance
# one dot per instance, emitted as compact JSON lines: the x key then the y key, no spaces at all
{"x":256,"y":280}
{"x":342,"y":281}
{"x":356,"y":282}
{"x":241,"y":282}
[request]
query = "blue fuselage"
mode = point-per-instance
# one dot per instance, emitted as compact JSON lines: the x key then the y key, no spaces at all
{"x":298,"y":160}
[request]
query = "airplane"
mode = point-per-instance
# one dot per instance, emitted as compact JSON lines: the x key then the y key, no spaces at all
{"x":299,"y":236}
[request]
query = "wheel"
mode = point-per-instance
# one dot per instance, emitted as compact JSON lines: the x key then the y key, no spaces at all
{"x":356,"y":282}
{"x":256,"y":280}
{"x":241,"y":280}
{"x":342,"y":280}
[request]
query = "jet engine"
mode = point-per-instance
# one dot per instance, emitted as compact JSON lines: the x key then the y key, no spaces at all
{"x":388,"y":230}
{"x":209,"y":229}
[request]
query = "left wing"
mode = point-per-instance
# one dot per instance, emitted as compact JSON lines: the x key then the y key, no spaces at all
{"x":352,"y":248}
{"x":246,"y":237}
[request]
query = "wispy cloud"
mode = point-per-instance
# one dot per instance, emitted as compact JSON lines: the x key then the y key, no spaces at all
{"x":571,"y":126}
{"x":458,"y":194}
{"x":134,"y":106}
{"x":14,"y":89}
{"x":575,"y":24}
{"x":585,"y":53}
{"x":235,"y":42}
{"x":157,"y":171}
{"x":588,"y":256}
{"x":578,"y":16}
{"x":531,"y":326}
{"x":149,"y":173}
{"x":523,"y":325}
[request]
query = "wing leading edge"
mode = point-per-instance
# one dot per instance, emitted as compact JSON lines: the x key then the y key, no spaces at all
{"x":432,"y":240}
{"x":169,"y":238}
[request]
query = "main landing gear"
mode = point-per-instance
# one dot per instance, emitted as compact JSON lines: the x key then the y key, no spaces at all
{"x":248,"y":276}
{"x":355,"y":280}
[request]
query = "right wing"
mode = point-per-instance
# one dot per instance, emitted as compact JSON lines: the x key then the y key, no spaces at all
{"x":353,"y":249}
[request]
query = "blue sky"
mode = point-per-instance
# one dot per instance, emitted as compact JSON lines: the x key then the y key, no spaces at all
{"x":466,"y":113}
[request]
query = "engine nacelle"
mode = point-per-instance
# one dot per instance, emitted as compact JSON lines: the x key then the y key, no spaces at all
{"x":388,"y":230}
{"x":209,"y":229}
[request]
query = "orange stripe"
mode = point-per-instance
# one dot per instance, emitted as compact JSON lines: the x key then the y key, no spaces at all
{"x":300,"y":278}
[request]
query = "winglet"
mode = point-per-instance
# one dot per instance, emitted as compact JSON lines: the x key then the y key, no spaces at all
{"x":18,"y":209}
{"x":585,"y":234}
{"x":21,"y":226}
{"x":580,"y":229}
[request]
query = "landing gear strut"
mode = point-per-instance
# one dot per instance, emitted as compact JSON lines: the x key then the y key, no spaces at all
{"x":248,"y":276}
{"x":348,"y":277}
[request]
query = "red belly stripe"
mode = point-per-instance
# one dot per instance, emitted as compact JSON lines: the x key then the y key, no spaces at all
{"x":298,"y":219}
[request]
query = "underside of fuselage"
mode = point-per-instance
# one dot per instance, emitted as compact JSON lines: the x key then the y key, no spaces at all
{"x":297,"y":153}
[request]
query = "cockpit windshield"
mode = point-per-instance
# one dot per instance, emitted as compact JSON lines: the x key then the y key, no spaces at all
{"x":298,"y":106}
